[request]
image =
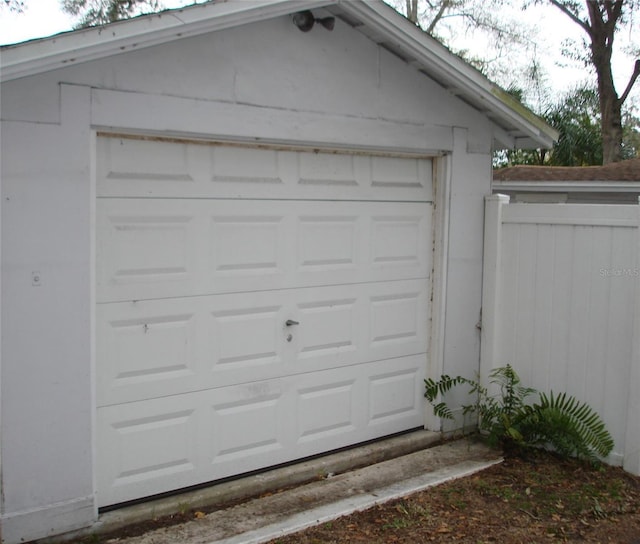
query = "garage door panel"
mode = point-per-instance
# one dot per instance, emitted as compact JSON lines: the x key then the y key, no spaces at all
{"x":401,"y":173}
{"x":342,"y":170}
{"x":392,"y":395}
{"x":327,"y":243}
{"x":396,"y":319}
{"x":398,"y":241}
{"x":326,"y":410}
{"x":155,"y":348}
{"x":143,"y":249}
{"x":150,"y":168}
{"x":372,"y":322}
{"x":125,"y":162}
{"x":157,"y":445}
{"x":145,"y":352}
{"x":147,"y":250}
{"x":151,"y":348}
{"x":241,"y":165}
{"x":247,"y":245}
{"x":246,"y":423}
{"x":225,"y":338}
{"x":342,"y":406}
{"x":234,"y":346}
{"x":146,"y":443}
{"x":329,"y":328}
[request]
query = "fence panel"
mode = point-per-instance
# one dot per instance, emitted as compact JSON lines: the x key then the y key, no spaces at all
{"x":560,"y":295}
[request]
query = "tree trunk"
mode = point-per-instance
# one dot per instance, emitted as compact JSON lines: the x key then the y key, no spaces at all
{"x":610,"y":108}
{"x":611,"y":128}
{"x":412,"y":11}
{"x":602,"y":34}
{"x":604,"y":16}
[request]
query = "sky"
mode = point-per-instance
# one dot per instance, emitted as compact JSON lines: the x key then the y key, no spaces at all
{"x":43,"y":18}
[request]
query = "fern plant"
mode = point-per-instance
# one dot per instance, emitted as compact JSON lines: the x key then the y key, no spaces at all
{"x":558,"y":422}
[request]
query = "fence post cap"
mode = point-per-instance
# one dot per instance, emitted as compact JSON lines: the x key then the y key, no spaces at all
{"x":500,"y":198}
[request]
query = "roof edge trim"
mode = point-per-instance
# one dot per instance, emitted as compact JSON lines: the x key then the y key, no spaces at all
{"x":431,"y":53}
{"x":37,"y":56}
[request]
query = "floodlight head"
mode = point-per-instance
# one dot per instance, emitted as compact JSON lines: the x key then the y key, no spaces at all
{"x":305,"y":20}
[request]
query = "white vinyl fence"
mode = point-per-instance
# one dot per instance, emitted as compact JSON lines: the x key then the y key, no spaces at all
{"x":560,"y":299}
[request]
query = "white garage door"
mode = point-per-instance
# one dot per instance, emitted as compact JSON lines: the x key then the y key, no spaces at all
{"x":254,"y":306}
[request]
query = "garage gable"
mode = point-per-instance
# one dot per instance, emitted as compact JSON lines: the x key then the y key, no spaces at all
{"x":513,"y":125}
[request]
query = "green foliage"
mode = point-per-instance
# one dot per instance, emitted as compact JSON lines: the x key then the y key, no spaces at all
{"x":439,"y":388}
{"x":560,"y":422}
{"x":576,"y":116}
{"x":630,"y":132}
{"x":573,"y":428}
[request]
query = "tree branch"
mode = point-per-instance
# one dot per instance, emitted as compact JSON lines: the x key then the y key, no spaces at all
{"x":595,"y":15}
{"x":614,"y":10}
{"x":443,"y":7}
{"x":632,"y":80}
{"x":564,"y":9}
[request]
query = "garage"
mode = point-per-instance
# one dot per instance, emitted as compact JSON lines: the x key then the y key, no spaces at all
{"x":246,"y":316}
{"x":229,"y":243}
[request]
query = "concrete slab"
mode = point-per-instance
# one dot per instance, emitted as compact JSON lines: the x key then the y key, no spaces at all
{"x":262,"y":519}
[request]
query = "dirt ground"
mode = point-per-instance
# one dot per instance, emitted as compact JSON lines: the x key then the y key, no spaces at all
{"x":539,"y":500}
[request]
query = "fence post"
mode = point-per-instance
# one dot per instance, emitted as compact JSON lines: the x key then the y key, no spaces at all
{"x":491,"y":282}
{"x":632,"y":439}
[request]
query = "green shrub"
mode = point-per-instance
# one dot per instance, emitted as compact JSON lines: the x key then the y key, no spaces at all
{"x":558,"y":422}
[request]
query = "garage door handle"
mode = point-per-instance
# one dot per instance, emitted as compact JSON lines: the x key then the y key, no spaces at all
{"x":290,"y":322}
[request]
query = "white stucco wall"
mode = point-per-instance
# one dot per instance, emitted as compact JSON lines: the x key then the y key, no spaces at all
{"x":464,"y":272}
{"x":266,"y":81}
{"x":46,"y":334}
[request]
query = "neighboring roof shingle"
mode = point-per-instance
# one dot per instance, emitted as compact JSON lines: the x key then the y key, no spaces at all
{"x":628,"y":170}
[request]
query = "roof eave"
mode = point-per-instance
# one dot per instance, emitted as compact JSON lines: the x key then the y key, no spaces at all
{"x":37,"y":56}
{"x":454,"y":74}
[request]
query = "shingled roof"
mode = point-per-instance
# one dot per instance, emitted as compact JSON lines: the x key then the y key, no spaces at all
{"x":628,"y":170}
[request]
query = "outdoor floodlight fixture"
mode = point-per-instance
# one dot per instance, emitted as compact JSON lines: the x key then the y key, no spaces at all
{"x":305,"y":20}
